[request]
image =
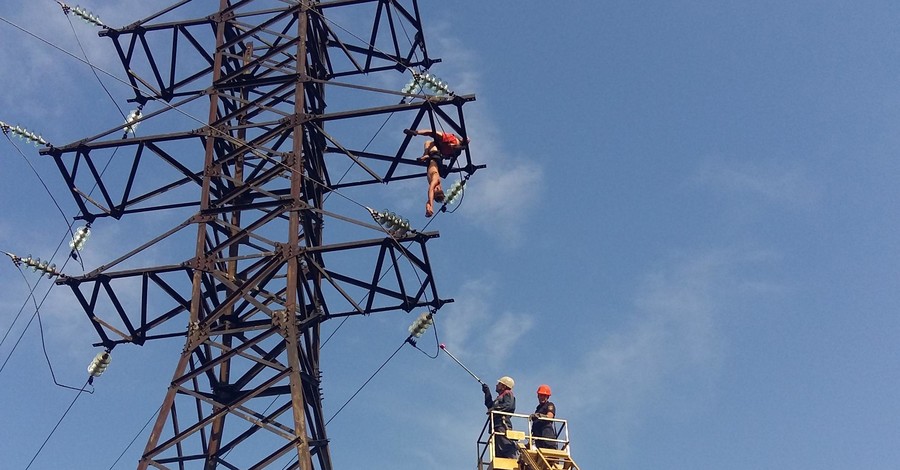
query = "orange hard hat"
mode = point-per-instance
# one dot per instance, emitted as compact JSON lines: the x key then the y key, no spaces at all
{"x":544,"y":390}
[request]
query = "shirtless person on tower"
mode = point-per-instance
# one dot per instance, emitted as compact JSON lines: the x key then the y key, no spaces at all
{"x":444,"y":145}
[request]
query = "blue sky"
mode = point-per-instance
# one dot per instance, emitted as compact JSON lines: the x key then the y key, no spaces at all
{"x":687,"y":228}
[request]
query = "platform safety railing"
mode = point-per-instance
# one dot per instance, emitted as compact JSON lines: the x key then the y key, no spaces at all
{"x":521,"y":433}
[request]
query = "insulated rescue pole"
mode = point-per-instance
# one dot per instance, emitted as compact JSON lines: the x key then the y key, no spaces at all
{"x":444,"y":348}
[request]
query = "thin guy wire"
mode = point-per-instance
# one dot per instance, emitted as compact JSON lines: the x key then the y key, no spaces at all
{"x":135,"y":437}
{"x":46,"y":294}
{"x":359,"y":390}
{"x":227,"y":137}
{"x":352,"y":164}
{"x":367,"y":145}
{"x":25,"y":304}
{"x":16,"y":345}
{"x":54,"y":429}
{"x":221,"y":133}
{"x":34,"y":170}
{"x":87,"y":60}
{"x":268,"y":158}
{"x":41,"y":329}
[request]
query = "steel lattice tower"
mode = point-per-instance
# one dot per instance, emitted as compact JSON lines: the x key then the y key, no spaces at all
{"x":258,"y":276}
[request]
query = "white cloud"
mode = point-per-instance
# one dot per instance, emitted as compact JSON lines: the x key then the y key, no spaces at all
{"x":46,"y":76}
{"x":776,"y":182}
{"x":475,"y":323}
{"x":498,"y":198}
{"x":60,"y":330}
{"x":506,"y":331}
{"x":42,"y":81}
{"x":671,"y":350}
{"x":67,"y":328}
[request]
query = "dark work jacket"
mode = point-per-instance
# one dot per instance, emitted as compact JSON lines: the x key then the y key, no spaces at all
{"x":506,"y":403}
{"x":541,"y":427}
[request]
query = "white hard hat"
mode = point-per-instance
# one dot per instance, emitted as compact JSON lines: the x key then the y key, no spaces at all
{"x":508,"y":381}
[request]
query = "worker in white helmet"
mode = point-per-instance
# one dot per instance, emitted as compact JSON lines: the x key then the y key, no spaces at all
{"x":505,"y":402}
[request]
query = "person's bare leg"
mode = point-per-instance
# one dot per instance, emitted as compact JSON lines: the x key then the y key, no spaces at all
{"x":429,"y":152}
{"x":434,"y":188}
{"x":430,"y":148}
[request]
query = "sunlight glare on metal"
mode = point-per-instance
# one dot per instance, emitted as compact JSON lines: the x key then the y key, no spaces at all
{"x":82,"y":13}
{"x":131,"y":121}
{"x":455,"y":191}
{"x":80,"y":238}
{"x":426,"y":81}
{"x":23,"y":134}
{"x":418,"y":327}
{"x":35,"y":264}
{"x":99,"y":364}
{"x":395,"y":225}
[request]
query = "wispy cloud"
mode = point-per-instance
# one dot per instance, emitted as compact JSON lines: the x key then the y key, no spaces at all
{"x":475,"y":319}
{"x":66,"y":326}
{"x":499,"y":198}
{"x":60,"y":325}
{"x":46,"y":74}
{"x":42,"y":73}
{"x":674,"y":339}
{"x":786,"y":184}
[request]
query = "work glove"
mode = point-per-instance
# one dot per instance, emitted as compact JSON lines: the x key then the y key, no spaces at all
{"x":410,"y":132}
{"x":485,"y":389}
{"x":534,"y":416}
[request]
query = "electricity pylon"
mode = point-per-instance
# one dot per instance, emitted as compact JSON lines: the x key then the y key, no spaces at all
{"x":286,"y":93}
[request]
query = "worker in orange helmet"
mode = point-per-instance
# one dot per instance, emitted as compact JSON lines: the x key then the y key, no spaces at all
{"x":444,"y":145}
{"x":541,"y":426}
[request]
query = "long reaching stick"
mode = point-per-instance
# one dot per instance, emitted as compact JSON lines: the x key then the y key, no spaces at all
{"x":444,"y":348}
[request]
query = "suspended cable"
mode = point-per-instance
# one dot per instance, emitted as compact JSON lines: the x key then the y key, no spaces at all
{"x":357,"y":391}
{"x":419,"y":324}
{"x":383,"y":364}
{"x":385,"y":273}
{"x":365,"y":383}
{"x":25,"y":304}
{"x":222,"y":133}
{"x":55,"y":427}
{"x":416,"y":55}
{"x":206,"y":125}
{"x":15,"y":319}
{"x":228,"y":137}
{"x":53,"y":45}
{"x":41,"y":329}
{"x":16,"y":345}
{"x":5,"y":130}
{"x":436,"y":339}
{"x":47,"y":357}
{"x":135,"y":437}
{"x":353,"y":164}
{"x":215,"y":130}
{"x":66,"y":9}
{"x":361,"y":40}
{"x":31,"y":294}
